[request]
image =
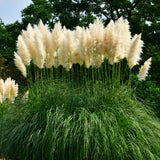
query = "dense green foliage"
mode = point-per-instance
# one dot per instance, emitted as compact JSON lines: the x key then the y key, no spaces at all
{"x":142,"y":15}
{"x":97,"y":122}
{"x":148,"y":91}
{"x":8,"y":37}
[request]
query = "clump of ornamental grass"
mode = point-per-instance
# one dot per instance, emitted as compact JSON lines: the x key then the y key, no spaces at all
{"x":98,"y":122}
{"x":94,"y":53}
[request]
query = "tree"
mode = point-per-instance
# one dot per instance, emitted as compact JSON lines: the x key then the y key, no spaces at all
{"x":8,"y":37}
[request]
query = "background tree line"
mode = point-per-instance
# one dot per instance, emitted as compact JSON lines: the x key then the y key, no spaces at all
{"x":143,"y":17}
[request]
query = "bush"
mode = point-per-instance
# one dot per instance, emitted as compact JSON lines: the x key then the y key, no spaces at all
{"x":91,"y":122}
{"x":148,"y":91}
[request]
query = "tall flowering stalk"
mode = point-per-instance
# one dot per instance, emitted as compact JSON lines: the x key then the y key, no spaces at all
{"x":19,"y":64}
{"x":143,"y":72}
{"x":135,"y":51}
{"x":90,"y":47}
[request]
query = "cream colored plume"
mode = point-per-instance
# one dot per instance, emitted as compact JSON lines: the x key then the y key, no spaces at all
{"x":135,"y":51}
{"x":2,"y":90}
{"x":70,"y":47}
{"x":19,"y":64}
{"x":57,"y":35}
{"x":47,"y":38}
{"x":88,"y":48}
{"x":1,"y":99}
{"x":50,"y":52}
{"x":22,"y":49}
{"x":40,"y":48}
{"x":63,"y":52}
{"x":126,"y":37}
{"x":109,"y":42}
{"x":123,"y":39}
{"x":96,"y":48}
{"x":143,"y":72}
{"x":30,"y":40}
{"x":10,"y":90}
{"x":97,"y":31}
{"x":80,"y":42}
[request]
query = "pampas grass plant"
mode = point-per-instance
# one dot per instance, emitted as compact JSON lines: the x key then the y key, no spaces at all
{"x":78,"y":107}
{"x":83,"y":50}
{"x":60,"y":122}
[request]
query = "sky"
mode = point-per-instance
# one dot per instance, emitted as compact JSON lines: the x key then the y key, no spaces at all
{"x":10,"y":10}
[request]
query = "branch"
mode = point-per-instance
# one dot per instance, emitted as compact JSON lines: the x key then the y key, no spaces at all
{"x":105,"y":14}
{"x":111,"y":11}
{"x":135,"y":5}
{"x":125,"y":7}
{"x":129,"y":12}
{"x":117,"y":13}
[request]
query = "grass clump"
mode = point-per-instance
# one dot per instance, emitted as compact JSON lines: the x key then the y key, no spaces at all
{"x":97,"y":122}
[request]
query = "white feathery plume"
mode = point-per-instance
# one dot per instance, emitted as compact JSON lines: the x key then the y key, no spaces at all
{"x":80,"y":50}
{"x":89,"y":49}
{"x":76,"y":58}
{"x":13,"y":91}
{"x":97,"y":33}
{"x":7,"y":84}
{"x":109,"y":42}
{"x":121,"y":32}
{"x":46,"y":36}
{"x":47,"y":42}
{"x":56,"y":40}
{"x":10,"y":90}
{"x":49,"y":60}
{"x":70,"y":47}
{"x":56,"y":35}
{"x":62,"y":54}
{"x":50,"y":53}
{"x":40,"y":49}
{"x":41,"y":26}
{"x":135,"y":51}
{"x":19,"y":64}
{"x":126,"y":38}
{"x":1,"y":99}
{"x":30,"y":40}
{"x":2,"y":90}
{"x":22,"y":50}
{"x":143,"y":72}
{"x":24,"y":35}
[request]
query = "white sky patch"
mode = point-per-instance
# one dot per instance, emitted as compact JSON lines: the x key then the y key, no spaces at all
{"x":148,"y":22}
{"x":10,"y":10}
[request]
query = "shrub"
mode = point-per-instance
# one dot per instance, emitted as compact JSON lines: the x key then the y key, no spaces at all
{"x":148,"y":91}
{"x":97,"y":122}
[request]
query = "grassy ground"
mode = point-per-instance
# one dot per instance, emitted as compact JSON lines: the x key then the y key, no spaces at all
{"x":83,"y":123}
